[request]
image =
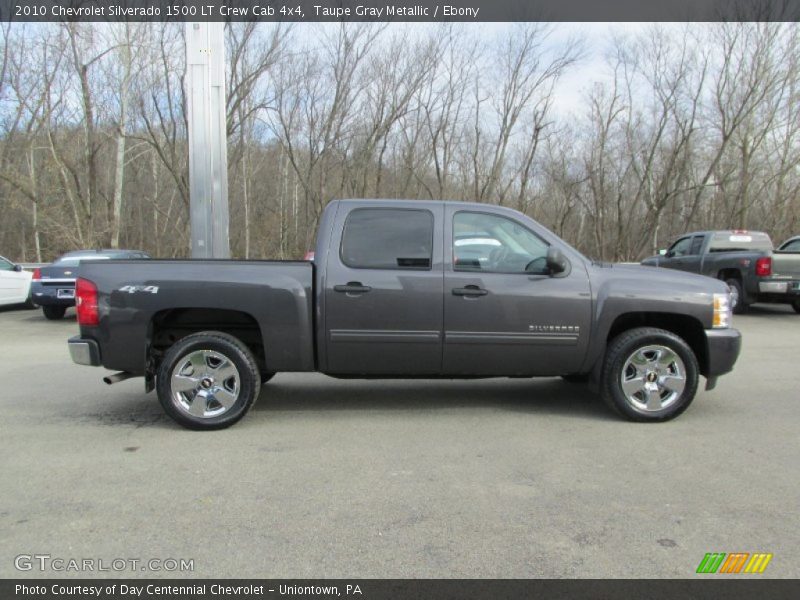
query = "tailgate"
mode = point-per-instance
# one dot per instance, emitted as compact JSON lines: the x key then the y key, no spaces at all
{"x":786,"y":265}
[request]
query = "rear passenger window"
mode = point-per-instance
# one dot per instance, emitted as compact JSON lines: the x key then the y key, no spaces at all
{"x":388,"y":238}
{"x":697,"y":242}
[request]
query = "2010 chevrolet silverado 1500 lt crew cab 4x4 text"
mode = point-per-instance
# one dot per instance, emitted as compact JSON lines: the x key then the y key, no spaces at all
{"x":402,"y":289}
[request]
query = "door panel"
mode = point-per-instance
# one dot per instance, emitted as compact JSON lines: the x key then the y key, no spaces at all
{"x":525,"y":323}
{"x":689,"y":257}
{"x":385,"y":320}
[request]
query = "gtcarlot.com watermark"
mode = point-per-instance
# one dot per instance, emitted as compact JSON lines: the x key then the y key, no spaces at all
{"x":59,"y":564}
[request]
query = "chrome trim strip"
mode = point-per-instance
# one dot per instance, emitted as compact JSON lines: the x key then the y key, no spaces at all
{"x":509,"y":337}
{"x":384,"y":335}
{"x":45,"y":281}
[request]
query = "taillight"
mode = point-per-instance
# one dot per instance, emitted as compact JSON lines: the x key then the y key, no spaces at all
{"x":764,"y":266}
{"x":309,"y":255}
{"x":86,"y":302}
{"x":37,"y":275}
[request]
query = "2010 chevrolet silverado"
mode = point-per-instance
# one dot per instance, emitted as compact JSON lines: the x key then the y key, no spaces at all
{"x":406,"y":289}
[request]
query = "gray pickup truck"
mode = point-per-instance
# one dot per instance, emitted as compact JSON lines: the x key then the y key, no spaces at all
{"x":742,"y":259}
{"x":406,"y":289}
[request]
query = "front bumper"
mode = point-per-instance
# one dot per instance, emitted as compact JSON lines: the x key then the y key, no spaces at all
{"x":723,"y":346}
{"x":84,"y":351}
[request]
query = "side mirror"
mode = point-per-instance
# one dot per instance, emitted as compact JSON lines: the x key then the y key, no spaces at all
{"x":663,"y":252}
{"x":18,"y":268}
{"x":556,"y":263}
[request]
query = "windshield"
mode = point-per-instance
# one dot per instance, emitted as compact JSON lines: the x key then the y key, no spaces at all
{"x":791,"y":246}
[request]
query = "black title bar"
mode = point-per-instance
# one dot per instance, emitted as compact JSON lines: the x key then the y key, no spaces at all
{"x":710,"y":588}
{"x":399,"y":10}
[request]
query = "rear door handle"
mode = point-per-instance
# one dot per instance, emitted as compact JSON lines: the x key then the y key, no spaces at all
{"x":352,"y":287}
{"x":470,"y":290}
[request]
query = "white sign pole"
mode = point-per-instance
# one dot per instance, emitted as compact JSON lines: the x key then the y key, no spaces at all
{"x":208,"y":149}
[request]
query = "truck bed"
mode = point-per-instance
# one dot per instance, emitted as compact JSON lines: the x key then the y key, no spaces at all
{"x":156,"y":300}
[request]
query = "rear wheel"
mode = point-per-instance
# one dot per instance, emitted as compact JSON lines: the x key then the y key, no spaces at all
{"x":208,"y":380}
{"x":649,"y":374}
{"x":54,"y":313}
{"x":796,"y":306}
{"x":738,"y":304}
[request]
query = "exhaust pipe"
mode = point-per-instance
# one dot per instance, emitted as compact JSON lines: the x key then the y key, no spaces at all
{"x":117,"y":377}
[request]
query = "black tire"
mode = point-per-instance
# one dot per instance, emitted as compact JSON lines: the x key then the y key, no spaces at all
{"x":737,"y":296}
{"x":54,"y":313}
{"x":796,"y":306}
{"x":622,"y":349}
{"x":576,"y":378}
{"x":210,"y":349}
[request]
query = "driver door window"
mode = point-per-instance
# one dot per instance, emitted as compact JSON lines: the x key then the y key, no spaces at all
{"x":488,"y":243}
{"x":680,"y":248}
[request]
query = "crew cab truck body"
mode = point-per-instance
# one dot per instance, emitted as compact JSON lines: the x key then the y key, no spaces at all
{"x":406,"y":289}
{"x":742,"y":259}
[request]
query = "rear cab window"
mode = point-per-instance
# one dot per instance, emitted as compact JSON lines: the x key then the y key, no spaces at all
{"x":388,"y":238}
{"x":740,"y":241}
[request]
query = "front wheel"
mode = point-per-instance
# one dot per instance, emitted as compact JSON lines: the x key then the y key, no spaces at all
{"x":208,"y":380}
{"x":738,"y":304}
{"x":54,"y":313}
{"x":649,"y":374}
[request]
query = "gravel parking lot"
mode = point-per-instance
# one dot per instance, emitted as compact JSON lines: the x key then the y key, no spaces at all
{"x":327,"y":478}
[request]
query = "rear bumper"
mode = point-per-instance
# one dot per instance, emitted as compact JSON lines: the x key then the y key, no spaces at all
{"x":778,"y":290}
{"x":47,"y":295}
{"x":723,"y":346}
{"x":84,"y":351}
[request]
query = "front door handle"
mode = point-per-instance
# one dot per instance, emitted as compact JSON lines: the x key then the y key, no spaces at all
{"x":352,"y":287}
{"x":470,"y":290}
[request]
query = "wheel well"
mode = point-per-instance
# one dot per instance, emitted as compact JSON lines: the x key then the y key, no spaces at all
{"x":729,"y":274}
{"x":169,"y":326}
{"x":688,"y":328}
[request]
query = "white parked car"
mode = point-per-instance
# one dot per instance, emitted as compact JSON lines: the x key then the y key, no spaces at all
{"x":15,"y":283}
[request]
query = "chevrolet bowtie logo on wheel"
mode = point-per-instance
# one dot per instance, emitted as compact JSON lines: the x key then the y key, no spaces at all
{"x":733,"y":563}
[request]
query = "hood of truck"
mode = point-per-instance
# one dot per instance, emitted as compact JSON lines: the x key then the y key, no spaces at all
{"x":670,"y":280}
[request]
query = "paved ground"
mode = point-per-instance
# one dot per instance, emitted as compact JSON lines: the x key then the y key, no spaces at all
{"x":326,"y":478}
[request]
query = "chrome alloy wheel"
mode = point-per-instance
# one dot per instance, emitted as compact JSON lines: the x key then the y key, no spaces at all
{"x":734,"y":291}
{"x":205,"y":384}
{"x":653,"y":378}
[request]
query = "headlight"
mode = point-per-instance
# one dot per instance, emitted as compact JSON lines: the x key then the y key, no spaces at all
{"x":722,"y":311}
